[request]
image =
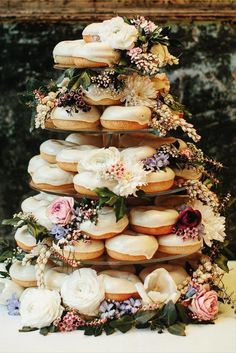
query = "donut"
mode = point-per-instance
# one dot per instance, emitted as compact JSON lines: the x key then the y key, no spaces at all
{"x":119,"y":285}
{"x":86,"y":182}
{"x":174,"y":244}
{"x":32,"y":203}
{"x":68,"y":159}
{"x":50,"y":148}
{"x":24,"y":239}
{"x":188,"y":173}
{"x":55,"y":277}
{"x":153,"y":220}
{"x":36,"y":162}
{"x":131,"y":247}
{"x":159,"y":180}
{"x":76,"y":120}
{"x":126,"y":118}
{"x":80,"y":139}
{"x":41,"y":215}
{"x":82,"y":250}
{"x":62,"y":52}
{"x":25,"y":276}
{"x":94,"y":95}
{"x":178,"y":273}
{"x":91,"y":32}
{"x":51,"y":177}
{"x":7,"y":288}
{"x":137,"y":153}
{"x":94,"y":54}
{"x":106,"y":227}
{"x":145,"y":139}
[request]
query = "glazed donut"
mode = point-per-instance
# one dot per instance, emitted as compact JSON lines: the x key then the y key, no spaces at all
{"x":35,"y":163}
{"x":41,"y":215}
{"x":153,"y":220}
{"x":62,"y":52}
{"x":7,"y":288}
{"x":188,"y":173}
{"x":94,"y":95}
{"x":81,"y":250}
{"x":25,"y":276}
{"x":131,"y":247}
{"x":126,"y":118}
{"x":64,"y":119}
{"x":178,"y":273}
{"x":55,"y":277}
{"x":119,"y":285}
{"x":50,"y":148}
{"x":24,"y":239}
{"x":174,"y":244}
{"x":91,"y":32}
{"x":68,"y":159}
{"x":106,"y":226}
{"x":51,"y":177}
{"x":145,"y":139}
{"x":32,"y":203}
{"x":137,"y":153}
{"x":95,"y":54}
{"x":86,"y":182}
{"x":80,"y":139}
{"x":159,"y":181}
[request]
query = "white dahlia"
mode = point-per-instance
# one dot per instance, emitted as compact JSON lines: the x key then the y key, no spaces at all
{"x":213,"y":224}
{"x":139,"y":90}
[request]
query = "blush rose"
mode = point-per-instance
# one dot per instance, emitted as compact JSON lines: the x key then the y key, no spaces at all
{"x":60,"y":210}
{"x":205,"y":305}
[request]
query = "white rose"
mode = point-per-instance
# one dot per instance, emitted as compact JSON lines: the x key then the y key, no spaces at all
{"x":83,"y":290}
{"x":118,"y":34}
{"x":100,"y":159}
{"x":7,"y":289}
{"x":39,"y":307}
{"x":158,"y":287}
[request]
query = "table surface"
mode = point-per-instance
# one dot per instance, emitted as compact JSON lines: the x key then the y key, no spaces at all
{"x":217,"y":338}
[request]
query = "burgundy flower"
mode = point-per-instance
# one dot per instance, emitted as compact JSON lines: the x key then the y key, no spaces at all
{"x":188,"y":218}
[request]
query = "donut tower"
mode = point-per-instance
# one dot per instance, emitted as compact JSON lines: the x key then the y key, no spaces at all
{"x":125,"y":197}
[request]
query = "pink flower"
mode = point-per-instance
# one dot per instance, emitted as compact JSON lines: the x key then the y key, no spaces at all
{"x":60,"y":210}
{"x":204,"y":305}
{"x":188,"y":218}
{"x":186,"y":152}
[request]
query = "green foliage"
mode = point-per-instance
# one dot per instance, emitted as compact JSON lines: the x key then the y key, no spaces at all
{"x":109,"y":198}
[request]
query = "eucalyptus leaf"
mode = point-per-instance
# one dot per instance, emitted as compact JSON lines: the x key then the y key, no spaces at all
{"x":169,"y":314}
{"x":123,"y":324}
{"x":142,"y":317}
{"x":28,"y":329}
{"x":182,"y":313}
{"x":4,"y":274}
{"x":6,"y":254}
{"x":108,"y":329}
{"x":177,"y":329}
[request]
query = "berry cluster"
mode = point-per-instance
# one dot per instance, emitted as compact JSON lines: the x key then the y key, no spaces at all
{"x":73,"y":99}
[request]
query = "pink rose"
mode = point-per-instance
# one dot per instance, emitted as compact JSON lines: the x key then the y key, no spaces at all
{"x":205,"y":305}
{"x":60,"y":210}
{"x":188,"y":218}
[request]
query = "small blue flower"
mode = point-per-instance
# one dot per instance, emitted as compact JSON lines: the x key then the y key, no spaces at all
{"x":191,"y":291}
{"x":156,"y":162}
{"x":58,"y":232}
{"x":13,"y":305}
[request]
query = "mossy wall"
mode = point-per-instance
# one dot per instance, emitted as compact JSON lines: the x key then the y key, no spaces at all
{"x":204,"y":81}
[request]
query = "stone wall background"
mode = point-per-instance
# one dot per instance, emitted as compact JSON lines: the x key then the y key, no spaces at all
{"x":204,"y":81}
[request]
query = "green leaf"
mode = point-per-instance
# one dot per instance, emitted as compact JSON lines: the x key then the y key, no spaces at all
{"x":143,"y":317}
{"x":123,"y":324}
{"x":108,"y":329}
{"x":182,"y":313}
{"x":120,"y":208}
{"x":177,"y":329}
{"x":44,"y":331}
{"x":28,"y":329}
{"x":169,"y":314}
{"x":89,"y":331}
{"x":98,"y":331}
{"x":6,"y":254}
{"x":4,"y":274}
{"x":12,"y":221}
{"x":222,"y":262}
{"x":85,"y":80}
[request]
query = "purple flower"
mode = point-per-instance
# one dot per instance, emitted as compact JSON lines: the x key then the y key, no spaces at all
{"x":188,"y":218}
{"x":13,"y":305}
{"x":130,"y":306}
{"x":59,"y":232}
{"x":156,"y":162}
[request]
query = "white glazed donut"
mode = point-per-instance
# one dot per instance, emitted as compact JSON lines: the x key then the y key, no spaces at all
{"x":51,"y":177}
{"x":127,"y":118}
{"x":80,"y":139}
{"x":174,"y":244}
{"x":137,"y":153}
{"x":25,"y":276}
{"x":159,"y":181}
{"x":8,"y":288}
{"x":177,"y":272}
{"x":35,"y":163}
{"x":130,"y":247}
{"x":24,"y":239}
{"x":153,"y":220}
{"x":86,"y":182}
{"x":50,"y":148}
{"x":91,"y":32}
{"x":68,"y":159}
{"x":188,"y":173}
{"x":119,"y":285}
{"x":32,"y":203}
{"x":94,"y":95}
{"x":41,"y":215}
{"x":55,"y":277}
{"x":62,"y":53}
{"x":94,"y":54}
{"x":106,"y":226}
{"x":75,"y":120}
{"x":82,"y":250}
